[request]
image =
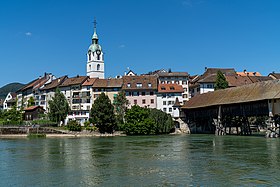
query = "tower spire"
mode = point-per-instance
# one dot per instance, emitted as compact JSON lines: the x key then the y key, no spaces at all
{"x":94,"y":25}
{"x":94,"y":36}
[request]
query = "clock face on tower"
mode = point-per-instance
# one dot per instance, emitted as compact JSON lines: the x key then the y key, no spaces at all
{"x":98,"y":52}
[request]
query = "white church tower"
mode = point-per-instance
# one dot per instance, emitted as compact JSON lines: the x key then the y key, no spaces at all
{"x":95,"y":59}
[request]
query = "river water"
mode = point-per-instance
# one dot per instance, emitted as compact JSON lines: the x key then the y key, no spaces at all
{"x":171,"y":160}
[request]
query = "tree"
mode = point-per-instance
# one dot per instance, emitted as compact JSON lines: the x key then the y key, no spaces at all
{"x":58,"y":107}
{"x":30,"y":102}
{"x":120,"y":103}
{"x":102,"y":114}
{"x":137,"y":121}
{"x":221,"y":82}
{"x":163,"y":121}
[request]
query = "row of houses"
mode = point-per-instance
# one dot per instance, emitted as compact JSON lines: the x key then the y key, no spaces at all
{"x":164,"y":90}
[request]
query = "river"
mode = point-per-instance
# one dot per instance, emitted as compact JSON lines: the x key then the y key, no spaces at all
{"x":169,"y":160}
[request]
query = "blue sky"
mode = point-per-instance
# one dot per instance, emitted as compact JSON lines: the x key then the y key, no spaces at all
{"x":38,"y":36}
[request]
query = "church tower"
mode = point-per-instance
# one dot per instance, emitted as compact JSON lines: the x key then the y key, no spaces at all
{"x":95,"y":59}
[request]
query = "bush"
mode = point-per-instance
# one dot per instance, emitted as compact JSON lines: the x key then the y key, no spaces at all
{"x":31,"y":135}
{"x":73,"y":126}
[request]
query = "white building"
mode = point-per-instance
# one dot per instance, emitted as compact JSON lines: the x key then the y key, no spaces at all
{"x":95,"y":58}
{"x":180,"y":78}
{"x":9,"y":101}
{"x":166,"y":97}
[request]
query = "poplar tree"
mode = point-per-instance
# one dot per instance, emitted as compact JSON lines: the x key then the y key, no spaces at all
{"x":58,"y":107}
{"x":221,"y":82}
{"x":120,"y":103}
{"x":102,"y":114}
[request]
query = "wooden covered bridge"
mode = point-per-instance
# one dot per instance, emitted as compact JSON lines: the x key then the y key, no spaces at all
{"x":233,"y":110}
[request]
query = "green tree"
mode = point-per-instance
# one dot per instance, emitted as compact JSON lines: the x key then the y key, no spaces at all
{"x":58,"y":107}
{"x":137,"y":121}
{"x":120,"y":103}
{"x":163,"y":121}
{"x":102,"y":114}
{"x":221,"y":82}
{"x":30,"y":102}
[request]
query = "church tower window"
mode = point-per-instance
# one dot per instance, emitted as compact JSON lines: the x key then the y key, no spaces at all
{"x":98,"y":67}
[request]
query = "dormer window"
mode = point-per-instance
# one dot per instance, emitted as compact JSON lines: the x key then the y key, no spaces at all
{"x":128,"y":85}
{"x":149,"y":85}
{"x":139,"y":85}
{"x":163,"y":88}
{"x":172,"y":88}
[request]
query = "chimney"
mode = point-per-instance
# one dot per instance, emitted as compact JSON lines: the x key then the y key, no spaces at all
{"x":205,"y":68}
{"x":245,"y":71}
{"x":254,"y":73}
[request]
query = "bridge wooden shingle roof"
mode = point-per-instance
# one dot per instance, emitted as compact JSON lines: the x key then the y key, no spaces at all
{"x":248,"y":93}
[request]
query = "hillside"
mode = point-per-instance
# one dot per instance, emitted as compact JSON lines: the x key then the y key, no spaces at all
{"x":12,"y":87}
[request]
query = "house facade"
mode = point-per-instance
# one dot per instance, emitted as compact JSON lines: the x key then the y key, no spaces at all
{"x":141,"y":90}
{"x":167,"y":95}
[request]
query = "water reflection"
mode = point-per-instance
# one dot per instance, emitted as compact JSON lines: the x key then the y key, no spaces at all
{"x":190,"y":160}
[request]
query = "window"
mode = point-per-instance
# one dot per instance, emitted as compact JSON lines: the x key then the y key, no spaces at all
{"x":172,"y":88}
{"x":149,"y":85}
{"x":128,"y":85}
{"x":164,"y":109}
{"x":89,"y":67}
{"x":139,"y":85}
{"x":164,"y":103}
{"x":163,"y":88}
{"x":143,"y":93}
{"x":143,"y":101}
{"x":184,"y":82}
{"x":169,"y":102}
{"x":135,"y":102}
{"x":170,"y":109}
{"x":185,"y":95}
{"x":89,"y":56}
{"x":151,"y":93}
{"x":152,"y":101}
{"x":98,"y":67}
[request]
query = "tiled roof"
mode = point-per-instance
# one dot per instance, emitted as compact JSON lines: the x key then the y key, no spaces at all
{"x":55,"y":83}
{"x":108,"y":83}
{"x":275,"y":75}
{"x":172,"y":74}
{"x":170,"y":88}
{"x":33,"y":108}
{"x":146,"y":81}
{"x":210,"y":74}
{"x":259,"y":78}
{"x":248,"y":73}
{"x":241,"y":94}
{"x":74,"y":81}
{"x":89,"y":82}
{"x":234,"y":81}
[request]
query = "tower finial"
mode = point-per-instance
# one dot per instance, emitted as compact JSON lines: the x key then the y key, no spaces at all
{"x":95,"y":23}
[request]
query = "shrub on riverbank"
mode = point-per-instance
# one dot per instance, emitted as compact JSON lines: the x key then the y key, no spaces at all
{"x":73,"y":126}
{"x":145,"y":121}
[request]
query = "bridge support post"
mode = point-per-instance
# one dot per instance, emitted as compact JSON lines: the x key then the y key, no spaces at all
{"x":272,"y":128}
{"x":220,"y":131}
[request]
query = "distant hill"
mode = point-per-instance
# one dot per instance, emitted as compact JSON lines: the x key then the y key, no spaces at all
{"x":12,"y":87}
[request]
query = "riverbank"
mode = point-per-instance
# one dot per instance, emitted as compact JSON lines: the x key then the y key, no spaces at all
{"x":70,"y":134}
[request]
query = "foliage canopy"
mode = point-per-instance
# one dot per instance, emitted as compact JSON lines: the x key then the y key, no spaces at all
{"x":102,"y":114}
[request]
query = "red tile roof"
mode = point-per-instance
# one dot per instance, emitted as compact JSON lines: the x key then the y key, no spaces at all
{"x":74,"y":81}
{"x":248,"y":73}
{"x":170,"y":88}
{"x":108,"y":83}
{"x":147,"y":82}
{"x":55,"y":83}
{"x":33,"y":108}
{"x":89,"y":82}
